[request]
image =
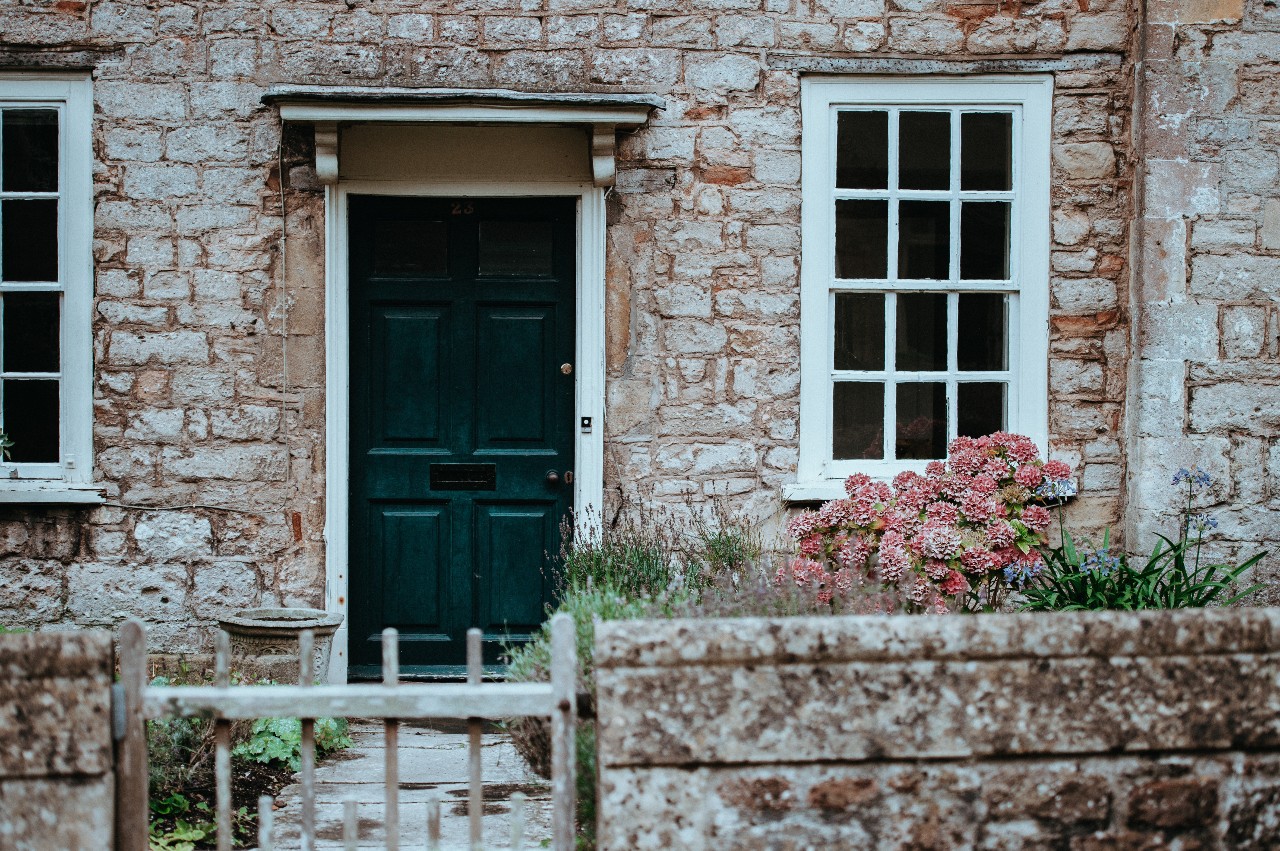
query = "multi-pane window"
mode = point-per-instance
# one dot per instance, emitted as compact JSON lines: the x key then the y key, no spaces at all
{"x":44,"y":277}
{"x":925,"y":269}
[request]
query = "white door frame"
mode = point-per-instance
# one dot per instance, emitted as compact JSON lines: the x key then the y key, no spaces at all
{"x":589,"y":368}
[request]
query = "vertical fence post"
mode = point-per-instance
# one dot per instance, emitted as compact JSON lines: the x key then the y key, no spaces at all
{"x":475,"y":731}
{"x":306,"y":679}
{"x":131,"y":749}
{"x":222,"y":743}
{"x":564,"y":675}
{"x":391,"y":728}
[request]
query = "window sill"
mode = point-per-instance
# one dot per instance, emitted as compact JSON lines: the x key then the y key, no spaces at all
{"x":817,"y":491}
{"x":20,"y":492}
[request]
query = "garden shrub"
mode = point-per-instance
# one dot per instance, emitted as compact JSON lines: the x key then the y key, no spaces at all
{"x":1174,"y":576}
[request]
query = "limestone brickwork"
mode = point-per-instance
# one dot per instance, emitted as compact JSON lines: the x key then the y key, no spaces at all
{"x":1206,"y":386}
{"x":1082,"y":730}
{"x":55,"y":741}
{"x":209,"y":346}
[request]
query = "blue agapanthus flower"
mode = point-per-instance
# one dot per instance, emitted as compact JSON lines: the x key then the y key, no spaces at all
{"x":1100,"y":562}
{"x":1022,"y":571}
{"x":1057,"y":489}
{"x":1201,"y":523}
{"x":1198,"y":478}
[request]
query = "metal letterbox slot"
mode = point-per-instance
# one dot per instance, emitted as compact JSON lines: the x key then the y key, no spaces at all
{"x":464,"y":477}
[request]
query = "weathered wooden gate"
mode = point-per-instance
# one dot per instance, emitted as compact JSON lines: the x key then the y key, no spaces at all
{"x":392,"y":701}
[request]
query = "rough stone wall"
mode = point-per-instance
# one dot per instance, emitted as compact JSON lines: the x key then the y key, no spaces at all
{"x":1207,"y":386}
{"x":212,"y":451}
{"x":55,"y":741}
{"x":1076,"y":731}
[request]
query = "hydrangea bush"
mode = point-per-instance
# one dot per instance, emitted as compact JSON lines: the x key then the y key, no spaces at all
{"x":958,"y":537}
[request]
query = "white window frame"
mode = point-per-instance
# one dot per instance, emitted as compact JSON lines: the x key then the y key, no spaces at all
{"x":819,"y":477}
{"x":65,"y":481}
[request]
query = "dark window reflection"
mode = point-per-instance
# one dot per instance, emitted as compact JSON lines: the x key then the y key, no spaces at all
{"x":981,"y":344}
{"x":862,"y":150}
{"x":984,"y":240}
{"x":986,"y":145}
{"x":981,"y":408}
{"x":859,"y":331}
{"x":30,"y":332}
{"x":31,"y":420}
{"x":29,"y":240}
{"x":924,"y":240}
{"x":922,"y":332}
{"x":924,"y":150}
{"x":862,"y":239}
{"x":30,"y":144}
{"x":857,"y":420}
{"x":922,"y":420}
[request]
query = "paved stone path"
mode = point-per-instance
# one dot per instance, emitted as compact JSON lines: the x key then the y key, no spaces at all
{"x":433,"y":755}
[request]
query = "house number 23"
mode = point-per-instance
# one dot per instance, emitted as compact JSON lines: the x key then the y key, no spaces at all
{"x":462,"y":208}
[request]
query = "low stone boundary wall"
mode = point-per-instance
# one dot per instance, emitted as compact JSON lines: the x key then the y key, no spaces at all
{"x":56,"y":789}
{"x":1072,"y":731}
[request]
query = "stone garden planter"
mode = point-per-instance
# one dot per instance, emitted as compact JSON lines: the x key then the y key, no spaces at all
{"x":270,"y":638}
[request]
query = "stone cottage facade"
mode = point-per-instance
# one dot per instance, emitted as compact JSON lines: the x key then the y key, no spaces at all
{"x":1090,"y":189}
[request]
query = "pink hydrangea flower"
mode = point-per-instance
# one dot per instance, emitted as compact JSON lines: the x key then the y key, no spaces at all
{"x":1056,"y":470}
{"x":938,"y":539}
{"x":1029,"y":476}
{"x":1036,"y":517}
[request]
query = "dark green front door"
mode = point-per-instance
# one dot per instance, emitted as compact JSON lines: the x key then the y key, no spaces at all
{"x":462,"y":340}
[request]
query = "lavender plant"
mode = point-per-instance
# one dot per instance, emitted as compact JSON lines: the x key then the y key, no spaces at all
{"x":1174,"y":576}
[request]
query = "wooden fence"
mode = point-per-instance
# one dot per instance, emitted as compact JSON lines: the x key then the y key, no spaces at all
{"x":392,"y":701}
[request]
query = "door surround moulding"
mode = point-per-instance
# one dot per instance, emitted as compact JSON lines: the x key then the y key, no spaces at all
{"x":327,"y":107}
{"x":589,"y":389}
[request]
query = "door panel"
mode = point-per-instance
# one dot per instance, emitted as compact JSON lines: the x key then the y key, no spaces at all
{"x":514,"y":541}
{"x":410,"y":380}
{"x":462,"y":313}
{"x":515,"y":399}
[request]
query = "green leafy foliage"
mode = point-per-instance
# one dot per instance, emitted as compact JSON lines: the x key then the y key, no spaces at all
{"x":648,"y":566}
{"x":1174,"y":576}
{"x":280,"y":740}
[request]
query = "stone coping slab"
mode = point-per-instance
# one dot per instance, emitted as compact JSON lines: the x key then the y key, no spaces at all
{"x":871,"y":638}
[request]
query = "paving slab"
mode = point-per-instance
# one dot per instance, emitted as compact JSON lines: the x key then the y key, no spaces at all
{"x":433,"y":757}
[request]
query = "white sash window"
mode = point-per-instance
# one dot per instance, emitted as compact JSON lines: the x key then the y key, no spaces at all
{"x":46,"y":219}
{"x":925,"y":270}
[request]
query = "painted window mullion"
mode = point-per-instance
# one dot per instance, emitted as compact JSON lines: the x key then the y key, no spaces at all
{"x":953,"y":365}
{"x":890,"y":370}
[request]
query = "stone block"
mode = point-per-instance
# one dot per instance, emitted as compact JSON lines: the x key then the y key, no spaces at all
{"x":635,"y":67}
{"x":728,"y":72}
{"x":170,"y":347}
{"x":1085,"y":160}
{"x":1244,"y":332}
{"x":1084,"y":295}
{"x":1106,"y":31}
{"x":1179,"y":331}
{"x":863,"y":36}
{"x":1235,"y":406}
{"x":1210,"y":11}
{"x":1176,"y":189}
{"x":1271,"y":225}
{"x":513,"y":31}
{"x":1234,"y":277}
{"x":925,"y":34}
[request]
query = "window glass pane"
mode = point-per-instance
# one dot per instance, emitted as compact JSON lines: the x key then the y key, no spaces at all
{"x":862,"y":239}
{"x":984,"y":240}
{"x":30,"y":144}
{"x":859,"y":342}
{"x":862,"y":150}
{"x":922,"y":331}
{"x":29,"y":240}
{"x":515,"y":248}
{"x":924,"y":239}
{"x":922,"y":420}
{"x":986,"y":144}
{"x":410,"y":248}
{"x":30,"y":332}
{"x":31,"y":420}
{"x":981,"y":408}
{"x":924,"y":150}
{"x":982,"y":342}
{"x":857,"y":420}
